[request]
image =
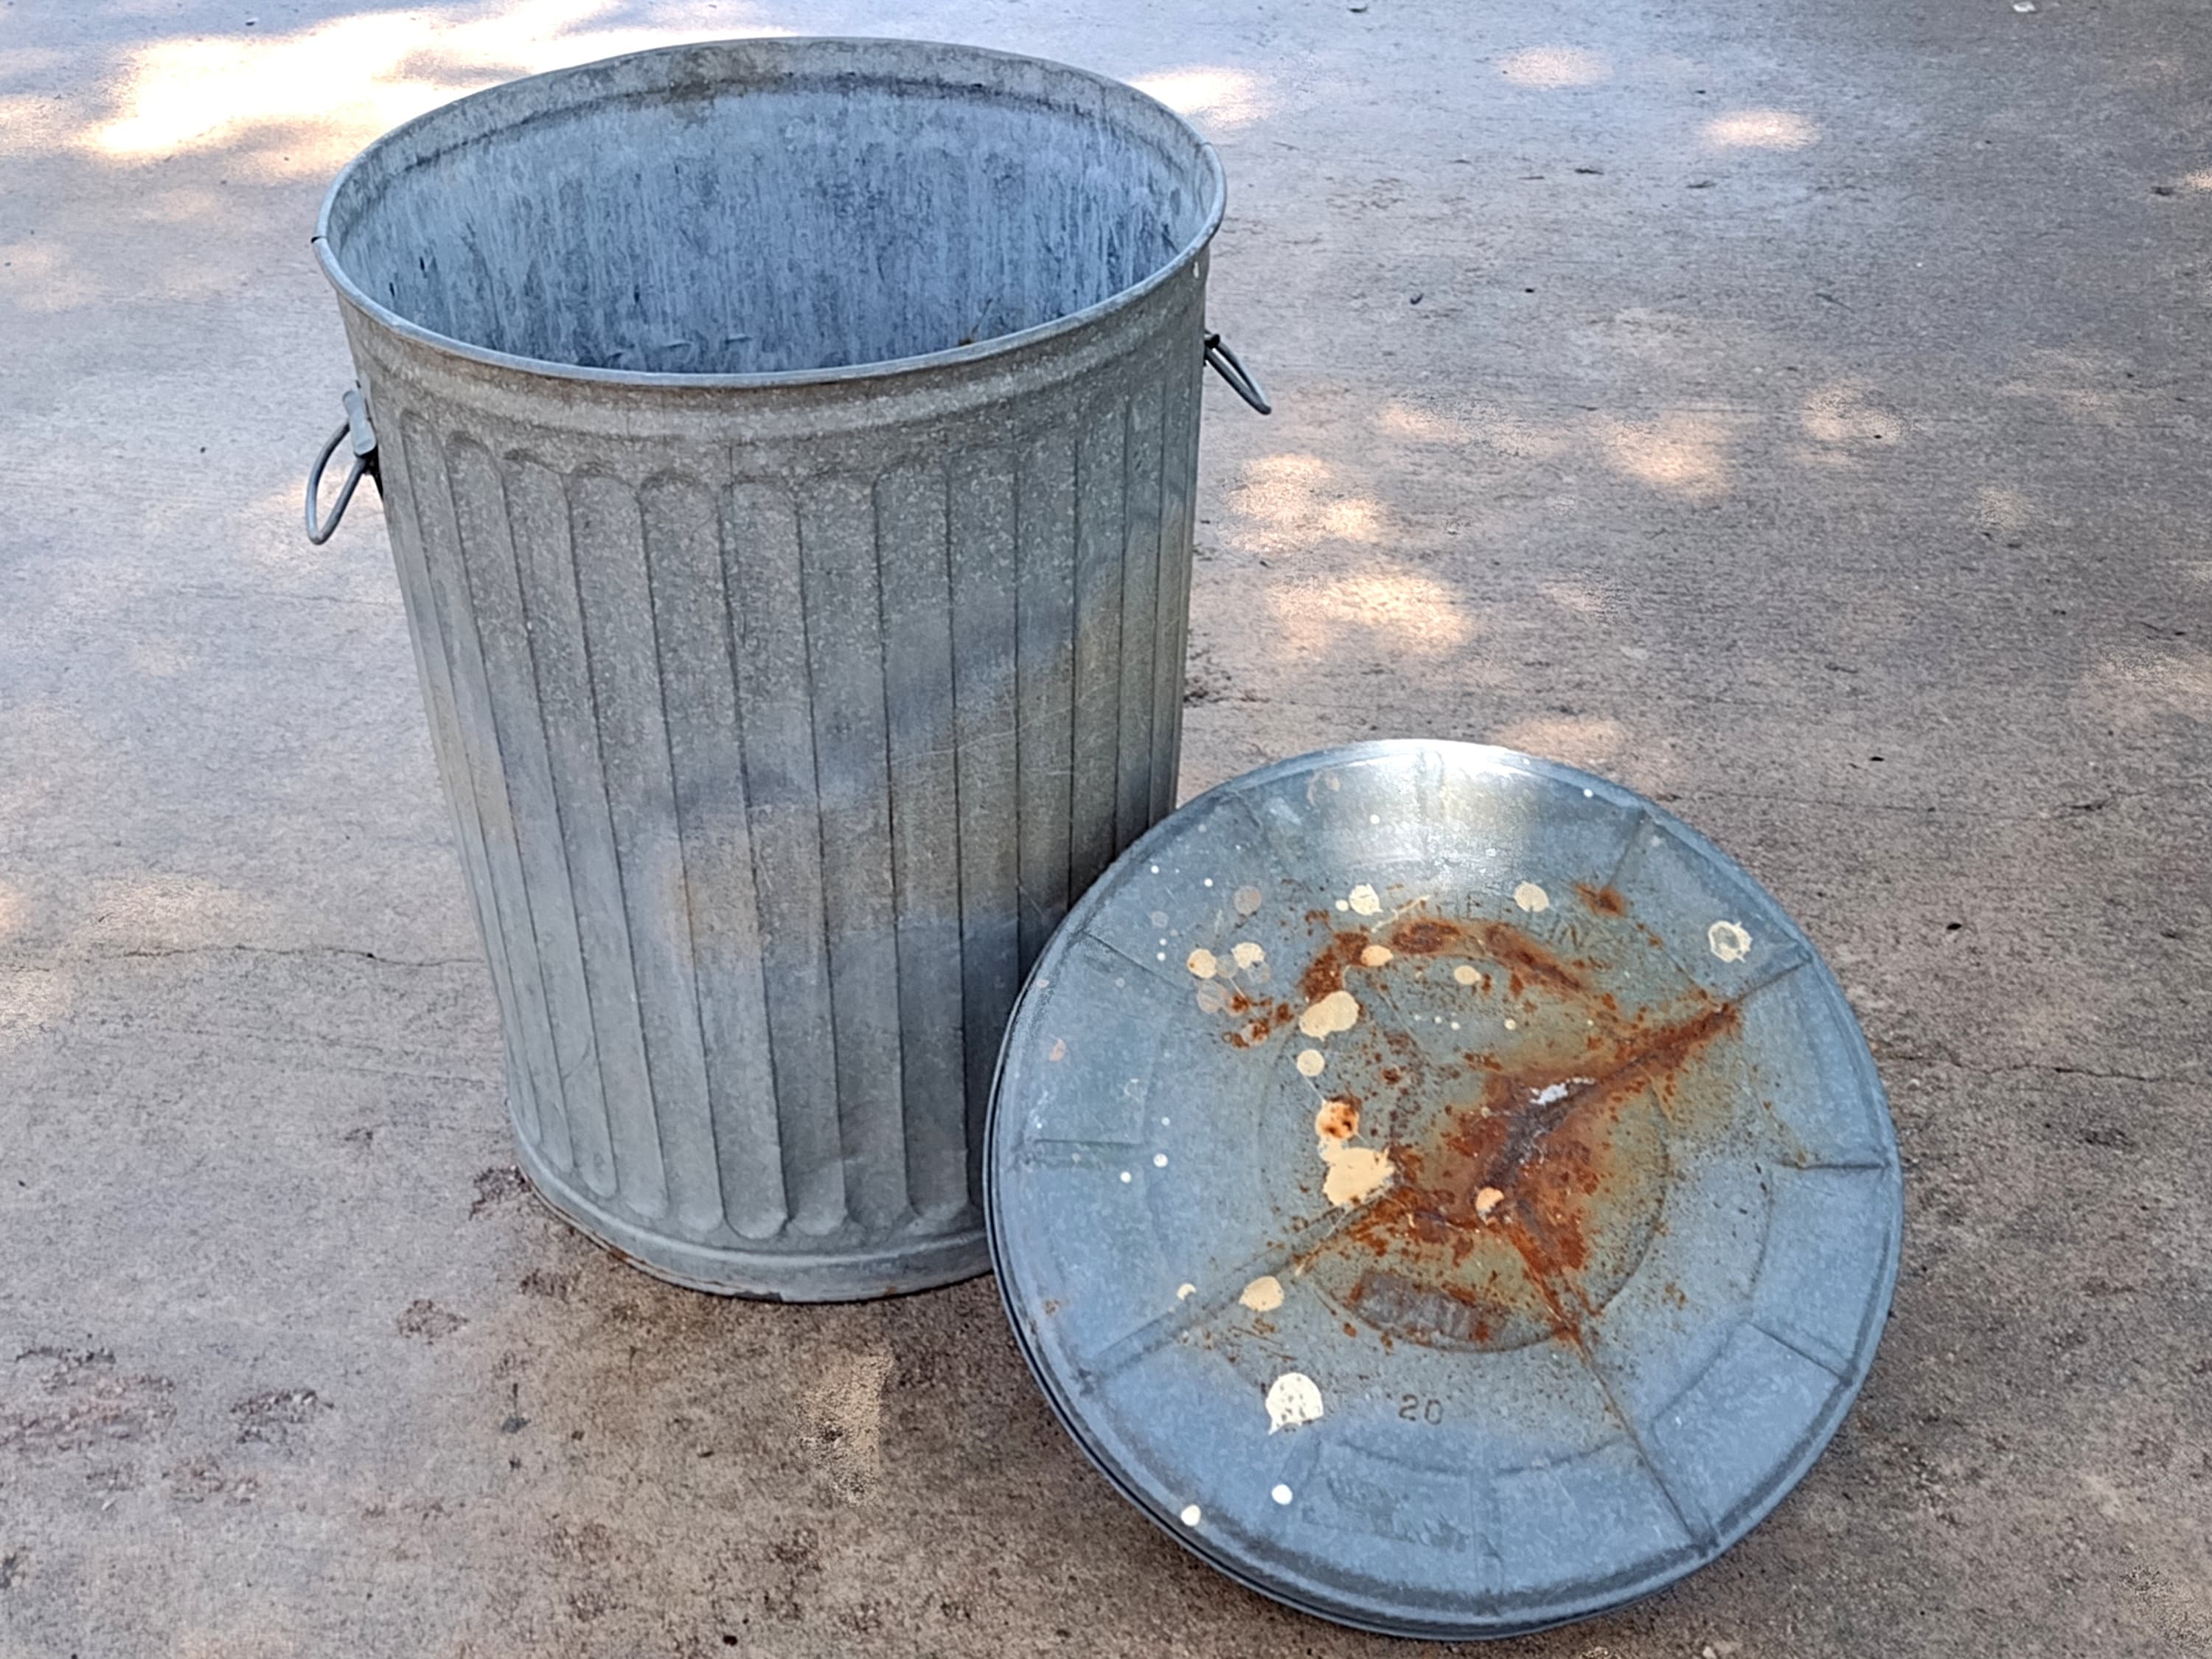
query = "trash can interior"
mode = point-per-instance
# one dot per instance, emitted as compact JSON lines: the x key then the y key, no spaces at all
{"x":766,"y":206}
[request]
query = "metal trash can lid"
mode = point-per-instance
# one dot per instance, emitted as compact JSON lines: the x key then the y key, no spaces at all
{"x":1441,"y":1189}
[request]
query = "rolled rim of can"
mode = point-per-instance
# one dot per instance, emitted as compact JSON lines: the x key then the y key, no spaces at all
{"x":741,"y":60}
{"x":1082,"y":1386}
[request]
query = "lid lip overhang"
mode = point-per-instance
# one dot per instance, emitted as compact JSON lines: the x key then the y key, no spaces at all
{"x":1371,"y":1616}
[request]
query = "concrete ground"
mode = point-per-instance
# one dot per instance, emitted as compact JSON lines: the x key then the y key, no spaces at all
{"x":1794,"y":411}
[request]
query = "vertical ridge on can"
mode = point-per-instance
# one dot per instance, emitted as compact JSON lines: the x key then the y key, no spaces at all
{"x":698,"y":683}
{"x":983,"y":554}
{"x":915,"y":595}
{"x":624,"y":664}
{"x":1133,"y":812}
{"x":1044,"y":527}
{"x":536,"y":513}
{"x":565,"y":693}
{"x":1101,"y":458}
{"x":480,"y":791}
{"x":845,"y":662}
{"x":760,"y":552}
{"x":487,"y":551}
{"x":1178,"y":508}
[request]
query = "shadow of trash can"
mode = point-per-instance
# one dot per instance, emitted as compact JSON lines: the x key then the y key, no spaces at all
{"x":788,"y":449}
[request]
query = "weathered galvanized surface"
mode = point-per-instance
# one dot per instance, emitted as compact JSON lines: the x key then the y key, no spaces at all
{"x":784,"y":692}
{"x":1441,"y":1188}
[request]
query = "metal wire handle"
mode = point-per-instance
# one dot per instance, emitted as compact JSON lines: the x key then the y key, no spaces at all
{"x":363,"y":434}
{"x":1226,"y":365}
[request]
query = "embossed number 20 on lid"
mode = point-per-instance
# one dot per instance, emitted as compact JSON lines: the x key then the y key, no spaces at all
{"x":1442,"y":1189}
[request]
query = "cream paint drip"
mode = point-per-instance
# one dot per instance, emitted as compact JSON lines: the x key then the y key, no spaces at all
{"x":1374,"y":956}
{"x":1729,"y":941}
{"x":1464,"y":975}
{"x":1246,"y":954}
{"x":1202,"y":962}
{"x":1486,"y":1200}
{"x":1309,"y":1062}
{"x":1364,"y":900}
{"x":1356,"y":1174}
{"x":1184,"y":1292}
{"x":1263,"y":1295}
{"x":1338,"y":1120}
{"x":1531,"y":898}
{"x":1293,"y":1400}
{"x":1337,"y":1012}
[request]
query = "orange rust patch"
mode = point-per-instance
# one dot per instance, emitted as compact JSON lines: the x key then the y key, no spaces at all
{"x":1424,"y":936}
{"x":1258,"y":1020}
{"x":1325,"y":973}
{"x":1526,"y":961}
{"x":1530,"y":1185}
{"x":1604,"y":900}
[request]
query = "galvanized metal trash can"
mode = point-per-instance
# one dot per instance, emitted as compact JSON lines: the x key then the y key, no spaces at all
{"x":788,"y":450}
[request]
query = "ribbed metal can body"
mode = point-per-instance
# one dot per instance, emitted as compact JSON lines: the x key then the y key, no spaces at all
{"x":783,"y":713}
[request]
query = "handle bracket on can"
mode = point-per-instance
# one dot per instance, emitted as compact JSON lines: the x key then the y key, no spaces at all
{"x":1230,"y":368}
{"x":357,"y":427}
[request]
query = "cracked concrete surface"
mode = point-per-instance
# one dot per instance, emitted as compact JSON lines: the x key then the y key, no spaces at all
{"x":1795,"y":412}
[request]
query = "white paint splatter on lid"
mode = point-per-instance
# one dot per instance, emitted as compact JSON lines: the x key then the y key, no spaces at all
{"x":1729,"y":941}
{"x":1209,"y":881}
{"x":1337,"y":1012}
{"x":1247,"y":954}
{"x":1192,"y":1515}
{"x":1531,"y":898}
{"x":1281,"y":1494}
{"x":1364,"y":900}
{"x":1058,"y":1049}
{"x":1309,"y":1062}
{"x":1159,"y":1160}
{"x":1356,"y":1174}
{"x":1202,"y":962}
{"x":1246,"y":899}
{"x":1374,"y":956}
{"x":1263,"y":1295}
{"x":1293,"y":1401}
{"x":1464,"y":975}
{"x":1486,"y":1200}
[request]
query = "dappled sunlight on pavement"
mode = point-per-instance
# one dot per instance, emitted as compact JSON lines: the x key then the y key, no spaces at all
{"x":299,"y":104}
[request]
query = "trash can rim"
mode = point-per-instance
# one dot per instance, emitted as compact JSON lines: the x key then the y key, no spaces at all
{"x":889,"y":368}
